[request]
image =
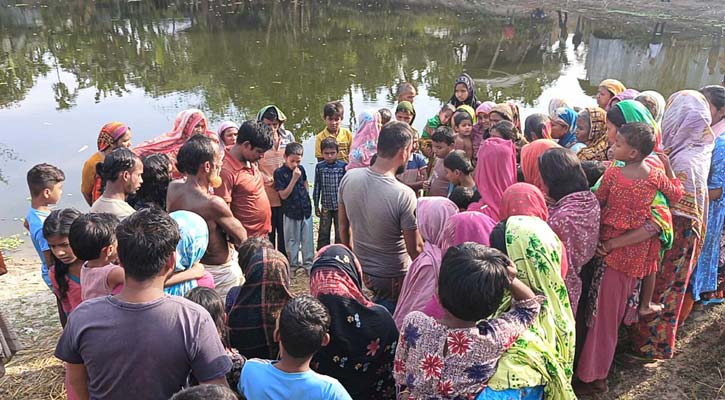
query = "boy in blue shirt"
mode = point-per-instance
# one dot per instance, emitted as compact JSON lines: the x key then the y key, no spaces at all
{"x":46,"y":188}
{"x":302,"y":329}
{"x":290,"y":181}
{"x":328,"y":174}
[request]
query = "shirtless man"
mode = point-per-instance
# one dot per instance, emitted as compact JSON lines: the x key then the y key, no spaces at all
{"x":199,"y":160}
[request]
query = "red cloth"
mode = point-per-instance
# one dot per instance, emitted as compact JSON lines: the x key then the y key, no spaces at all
{"x":523,"y":199}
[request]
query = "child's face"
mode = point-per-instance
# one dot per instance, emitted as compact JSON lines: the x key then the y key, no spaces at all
{"x":461,"y":92}
{"x":454,"y":177}
{"x":60,"y":247}
{"x":464,"y":128}
{"x":404,"y":116}
{"x":445,"y":116}
{"x":230,"y":136}
{"x":427,"y":150}
{"x":329,"y":155}
{"x":611,"y":133}
{"x":495,"y":133}
{"x":54,"y":194}
{"x":273,"y":125}
{"x":333,"y":123}
{"x":441,"y":149}
{"x":292,"y":161}
{"x":622,"y":150}
{"x":482,"y":118}
{"x":582,"y":129}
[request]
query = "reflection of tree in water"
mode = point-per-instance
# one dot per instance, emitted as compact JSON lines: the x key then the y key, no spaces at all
{"x":6,"y":154}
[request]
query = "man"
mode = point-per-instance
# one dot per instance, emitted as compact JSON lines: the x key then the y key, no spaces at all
{"x":199,"y":160}
{"x":121,"y":170}
{"x":377,"y":216}
{"x":142,"y":344}
{"x":242,"y":183}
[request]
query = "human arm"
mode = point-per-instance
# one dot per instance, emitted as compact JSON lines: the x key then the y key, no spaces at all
{"x":344,"y":224}
{"x":413,"y":242}
{"x":195,"y":272}
{"x":317,"y":190}
{"x":626,"y":239}
{"x":230,"y":225}
{"x":116,"y":277}
{"x":409,"y":224}
{"x":286,"y":190}
{"x":208,"y":358}
{"x":78,"y":379}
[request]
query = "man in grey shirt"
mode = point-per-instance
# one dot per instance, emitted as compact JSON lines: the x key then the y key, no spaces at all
{"x":141,"y":344}
{"x":377,"y":216}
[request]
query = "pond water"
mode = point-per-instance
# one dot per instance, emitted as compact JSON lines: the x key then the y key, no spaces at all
{"x":68,"y":67}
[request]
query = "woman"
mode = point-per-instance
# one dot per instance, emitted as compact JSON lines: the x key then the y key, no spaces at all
{"x":537,"y":126}
{"x":629,"y":94}
{"x":555,"y":104}
{"x":523,"y":199}
{"x":688,"y":138}
{"x":563,"y":128}
{"x":363,"y":335}
{"x":112,"y":136}
{"x":574,"y":216}
{"x":365,"y":141}
{"x":494,"y":173}
{"x":608,"y":88}
{"x":705,"y":276}
{"x":189,"y":273}
{"x":464,"y":92}
{"x":544,"y":354}
{"x":227,"y":132}
{"x":530,"y":161}
{"x":627,"y":112}
{"x":654,"y":102}
{"x":419,"y":285}
{"x":591,"y":129}
{"x":253,"y":316}
{"x":187,"y":123}
{"x":479,"y":133}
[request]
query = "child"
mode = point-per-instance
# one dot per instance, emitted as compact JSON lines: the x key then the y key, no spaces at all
{"x":504,"y":130}
{"x":46,"y":188}
{"x":385,"y":116}
{"x":290,"y":181}
{"x":328,"y":174}
{"x":405,"y":112}
{"x":302,"y":329}
{"x":458,"y":170}
{"x":442,"y":118}
{"x":471,"y":286}
{"x":463,"y":197}
{"x":333,"y":113}
{"x":464,"y":92}
{"x":416,"y":170}
{"x":93,"y":240}
{"x":210,"y":300}
{"x":443,"y":141}
{"x":406,"y":92}
{"x":463,"y":126}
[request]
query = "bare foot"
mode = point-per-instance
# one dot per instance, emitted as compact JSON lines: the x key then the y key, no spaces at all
{"x":649,"y":309}
{"x":590,"y":388}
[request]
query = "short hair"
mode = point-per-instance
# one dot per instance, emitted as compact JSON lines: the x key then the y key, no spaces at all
{"x":404,"y":87}
{"x":195,"y":152}
{"x":457,"y":161}
{"x":562,"y":173}
{"x":497,"y":238}
{"x":443,"y":134}
{"x":156,"y":178}
{"x":211,"y":301}
{"x":329,"y":143}
{"x":507,"y":129}
{"x":303,"y":323}
{"x":146,"y":241}
{"x":205,"y":392}
{"x":385,"y":115}
{"x":90,"y":233}
{"x":593,"y":170}
{"x":393,"y":137}
{"x":461,"y":116}
{"x":373,"y":159}
{"x":43,"y":176}
{"x":447,"y":107}
{"x":116,"y":162}
{"x":715,"y":95}
{"x":270,"y":114}
{"x":615,"y":116}
{"x":640,"y":136}
{"x":472,"y":281}
{"x":294,"y":149}
{"x":256,"y":133}
{"x":463,"y":197}
{"x":333,"y":109}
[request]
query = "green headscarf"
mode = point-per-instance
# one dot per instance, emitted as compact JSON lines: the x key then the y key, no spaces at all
{"x":408,"y":107}
{"x":280,"y":115}
{"x":469,"y":110}
{"x":544,"y":354}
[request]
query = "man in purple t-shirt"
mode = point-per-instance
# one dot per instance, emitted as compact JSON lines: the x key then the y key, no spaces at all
{"x":142,"y":344}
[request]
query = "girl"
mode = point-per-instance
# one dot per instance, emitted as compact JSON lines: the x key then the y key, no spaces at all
{"x":464,"y":92}
{"x":458,"y":171}
{"x":591,"y":130}
{"x":227,"y":132}
{"x":362,"y":334}
{"x":112,"y":136}
{"x":194,"y":238}
{"x":405,"y":112}
{"x":494,"y":173}
{"x":563,"y":129}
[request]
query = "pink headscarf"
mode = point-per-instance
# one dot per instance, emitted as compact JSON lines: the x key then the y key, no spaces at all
{"x":494,"y":173}
{"x":469,"y":226}
{"x":420,"y":283}
{"x":365,"y":141}
{"x":485,"y":107}
{"x":223,"y":127}
{"x":523,"y":199}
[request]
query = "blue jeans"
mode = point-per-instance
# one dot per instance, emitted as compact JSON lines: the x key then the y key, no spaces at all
{"x":298,"y":237}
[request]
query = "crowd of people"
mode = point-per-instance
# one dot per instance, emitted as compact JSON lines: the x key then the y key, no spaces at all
{"x":484,"y":257}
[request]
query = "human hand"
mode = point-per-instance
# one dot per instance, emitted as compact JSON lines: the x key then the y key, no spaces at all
{"x":666,"y":162}
{"x":603,"y":248}
{"x":296,"y":173}
{"x":512,"y":272}
{"x":426,"y":185}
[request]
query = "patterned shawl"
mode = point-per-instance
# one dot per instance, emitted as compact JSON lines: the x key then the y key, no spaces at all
{"x":654,"y":102}
{"x":555,"y":104}
{"x":598,"y":143}
{"x":530,"y":161}
{"x":365,"y":141}
{"x":545,"y":352}
{"x":614,"y":86}
{"x":170,"y":143}
{"x":194,"y":238}
{"x":110,"y":134}
{"x":523,"y":199}
{"x":688,"y":139}
{"x":253,"y":316}
{"x":494,"y":173}
{"x":628,"y":94}
{"x":471,"y":101}
{"x":567,"y":116}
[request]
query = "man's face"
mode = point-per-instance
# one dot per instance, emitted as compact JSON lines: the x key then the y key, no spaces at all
{"x":251,"y":154}
{"x":133,"y":178}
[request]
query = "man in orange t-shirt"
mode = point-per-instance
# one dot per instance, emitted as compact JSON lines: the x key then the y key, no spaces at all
{"x":242,"y":183}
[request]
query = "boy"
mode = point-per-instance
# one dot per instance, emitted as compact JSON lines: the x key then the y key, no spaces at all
{"x":301,"y":331}
{"x":333,"y":113}
{"x":121,"y":170}
{"x":406,"y":92}
{"x":463,"y":126}
{"x":458,"y":170}
{"x":290,"y":181}
{"x":328,"y":174}
{"x":46,"y":188}
{"x":442,"y":146}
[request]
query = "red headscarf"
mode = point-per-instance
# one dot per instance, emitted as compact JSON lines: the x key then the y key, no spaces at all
{"x":523,"y":199}
{"x":530,"y":161}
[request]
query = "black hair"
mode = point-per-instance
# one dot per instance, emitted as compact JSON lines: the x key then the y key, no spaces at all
{"x":615,"y":116}
{"x":257,"y":134}
{"x":205,"y":392}
{"x":329,"y":143}
{"x":593,"y":170}
{"x":640,"y":136}
{"x":195,"y":152}
{"x":58,"y":223}
{"x":116,"y":162}
{"x":333,"y":109}
{"x":270,"y":114}
{"x":457,"y":161}
{"x":249,"y":247}
{"x":146,"y":241}
{"x":497,"y":238}
{"x":393,"y":137}
{"x":294,"y":149}
{"x":373,"y":159}
{"x":43,"y":176}
{"x":461,"y":116}
{"x":534,"y":126}
{"x":403,"y":88}
{"x":385,"y":115}
{"x":303,"y":323}
{"x":90,"y":233}
{"x":506,"y":129}
{"x":443,"y":134}
{"x":156,"y":178}
{"x":463,"y":196}
{"x":212,"y":302}
{"x":472,"y":281}
{"x":562,"y":173}
{"x":715,"y":95}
